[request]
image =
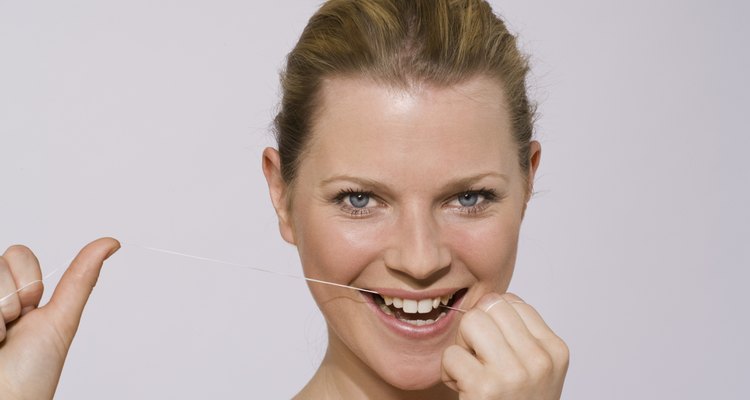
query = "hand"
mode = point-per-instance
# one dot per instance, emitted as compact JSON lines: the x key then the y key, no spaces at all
{"x":35,"y":341}
{"x":505,"y":351}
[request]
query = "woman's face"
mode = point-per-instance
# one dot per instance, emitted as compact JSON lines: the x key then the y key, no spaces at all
{"x":414,"y":193}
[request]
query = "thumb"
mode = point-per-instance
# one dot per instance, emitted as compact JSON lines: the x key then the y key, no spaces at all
{"x":76,"y":284}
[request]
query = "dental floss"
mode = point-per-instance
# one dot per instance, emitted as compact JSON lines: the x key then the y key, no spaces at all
{"x":492,"y":305}
{"x":453,"y":308}
{"x":175,"y":253}
{"x":44,"y":278}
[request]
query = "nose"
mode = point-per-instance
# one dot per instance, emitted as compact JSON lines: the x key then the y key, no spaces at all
{"x":417,"y":246}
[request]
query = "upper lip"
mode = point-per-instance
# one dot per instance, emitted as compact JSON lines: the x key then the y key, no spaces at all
{"x":423,"y":294}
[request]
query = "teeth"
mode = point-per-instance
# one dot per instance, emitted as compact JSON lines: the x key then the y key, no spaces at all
{"x":412,"y":306}
{"x":424,"y":306}
{"x":386,"y":309}
{"x":420,"y":322}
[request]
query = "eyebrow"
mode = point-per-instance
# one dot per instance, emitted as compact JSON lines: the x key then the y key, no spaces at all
{"x":456,"y":185}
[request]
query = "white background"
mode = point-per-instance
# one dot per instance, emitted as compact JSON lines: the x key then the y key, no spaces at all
{"x":145,"y":120}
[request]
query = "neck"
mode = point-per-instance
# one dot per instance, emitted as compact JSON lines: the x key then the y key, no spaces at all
{"x":342,"y":375}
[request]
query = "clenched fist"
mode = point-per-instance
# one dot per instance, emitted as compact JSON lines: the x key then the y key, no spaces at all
{"x":505,"y":351}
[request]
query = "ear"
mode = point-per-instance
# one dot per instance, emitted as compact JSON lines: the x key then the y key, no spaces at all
{"x":535,"y":155}
{"x":279,"y":190}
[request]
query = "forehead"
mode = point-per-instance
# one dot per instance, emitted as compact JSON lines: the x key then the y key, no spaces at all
{"x":403,"y":135}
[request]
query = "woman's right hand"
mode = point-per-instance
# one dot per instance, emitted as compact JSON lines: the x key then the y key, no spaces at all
{"x":34,"y":341}
{"x":505,"y":351}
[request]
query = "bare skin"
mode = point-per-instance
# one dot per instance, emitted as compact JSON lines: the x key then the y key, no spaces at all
{"x":34,"y":341}
{"x":380,"y":201}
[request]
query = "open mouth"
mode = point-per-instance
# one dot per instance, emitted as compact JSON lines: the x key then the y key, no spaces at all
{"x":417,"y":312}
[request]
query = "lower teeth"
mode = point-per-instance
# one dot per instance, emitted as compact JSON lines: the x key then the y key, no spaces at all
{"x":420,"y":322}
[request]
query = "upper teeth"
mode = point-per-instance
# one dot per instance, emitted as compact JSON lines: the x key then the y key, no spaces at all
{"x":412,"y":306}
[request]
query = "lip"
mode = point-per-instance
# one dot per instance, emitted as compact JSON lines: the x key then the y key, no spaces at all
{"x":405,"y":329}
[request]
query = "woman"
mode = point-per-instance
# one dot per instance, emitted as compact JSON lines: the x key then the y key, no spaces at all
{"x":404,"y":165}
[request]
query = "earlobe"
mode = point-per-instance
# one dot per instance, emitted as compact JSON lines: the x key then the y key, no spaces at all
{"x":278,"y":190}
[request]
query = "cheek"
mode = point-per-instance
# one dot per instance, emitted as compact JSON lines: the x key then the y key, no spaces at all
{"x":487,"y":249}
{"x":335,"y":250}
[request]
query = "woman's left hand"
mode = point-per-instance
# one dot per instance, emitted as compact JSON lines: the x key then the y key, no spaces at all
{"x":504,"y":350}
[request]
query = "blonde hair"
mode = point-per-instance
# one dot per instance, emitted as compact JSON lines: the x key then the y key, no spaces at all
{"x":399,"y":42}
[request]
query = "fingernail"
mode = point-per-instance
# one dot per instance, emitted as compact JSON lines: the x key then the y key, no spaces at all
{"x":113,"y":251}
{"x":514,"y":298}
{"x":488,"y":301}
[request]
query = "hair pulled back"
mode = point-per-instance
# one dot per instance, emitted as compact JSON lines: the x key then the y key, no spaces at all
{"x":399,"y":42}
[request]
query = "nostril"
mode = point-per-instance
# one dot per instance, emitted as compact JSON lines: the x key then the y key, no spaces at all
{"x":416,"y":244}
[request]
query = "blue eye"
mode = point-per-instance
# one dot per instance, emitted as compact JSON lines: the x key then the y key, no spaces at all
{"x":468,"y":199}
{"x":356,"y":202}
{"x":474,"y":201}
{"x":359,"y":200}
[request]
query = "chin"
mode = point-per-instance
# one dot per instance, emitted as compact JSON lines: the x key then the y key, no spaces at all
{"x":413,"y":373}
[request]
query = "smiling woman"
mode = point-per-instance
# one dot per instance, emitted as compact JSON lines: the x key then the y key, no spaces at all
{"x":404,"y":165}
{"x":415,"y":193}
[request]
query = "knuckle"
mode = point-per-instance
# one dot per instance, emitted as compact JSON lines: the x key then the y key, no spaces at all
{"x":559,"y":350}
{"x":19,"y":252}
{"x":540,"y":364}
{"x":562,"y":356}
{"x":10,"y":309}
{"x":32,"y":293}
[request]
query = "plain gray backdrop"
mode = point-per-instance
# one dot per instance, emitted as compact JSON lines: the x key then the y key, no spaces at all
{"x":145,"y":120}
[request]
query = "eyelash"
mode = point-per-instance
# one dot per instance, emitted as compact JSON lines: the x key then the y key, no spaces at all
{"x":489,"y":196}
{"x":352,"y":211}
